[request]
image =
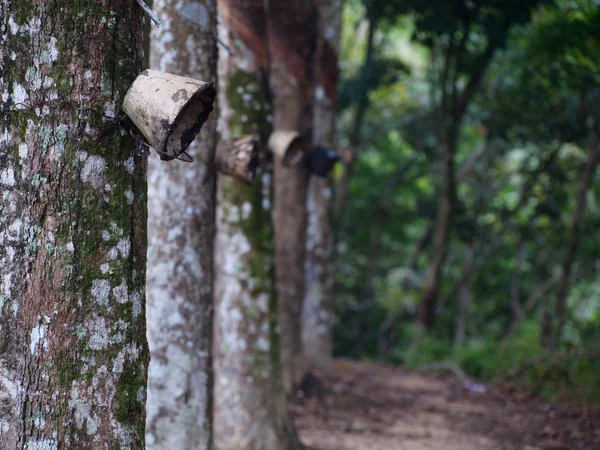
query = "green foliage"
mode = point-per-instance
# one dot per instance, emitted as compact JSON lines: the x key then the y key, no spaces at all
{"x":381,"y":72}
{"x":521,"y":151}
{"x":128,"y":404}
{"x":519,"y":362}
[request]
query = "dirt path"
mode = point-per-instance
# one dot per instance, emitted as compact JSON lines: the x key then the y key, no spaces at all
{"x":368,"y":406}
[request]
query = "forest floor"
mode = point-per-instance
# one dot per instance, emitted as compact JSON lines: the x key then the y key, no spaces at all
{"x":367,"y":406}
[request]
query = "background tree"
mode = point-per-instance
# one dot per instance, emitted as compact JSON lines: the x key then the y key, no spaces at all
{"x":564,"y":36}
{"x":520,"y":164}
{"x":72,"y":228}
{"x":250,"y":407}
{"x":292,"y":31}
{"x":463,"y":47}
{"x":374,"y":71}
{"x":181,"y":215}
{"x":317,"y":312}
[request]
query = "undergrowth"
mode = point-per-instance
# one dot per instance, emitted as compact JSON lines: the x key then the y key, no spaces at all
{"x":569,"y":374}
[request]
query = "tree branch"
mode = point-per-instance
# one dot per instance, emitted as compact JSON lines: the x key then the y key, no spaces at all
{"x":474,"y":81}
{"x":539,"y":293}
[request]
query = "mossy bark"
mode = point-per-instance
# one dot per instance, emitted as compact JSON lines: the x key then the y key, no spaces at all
{"x":317,"y":310}
{"x":181,"y":214}
{"x":250,"y":409}
{"x":74,"y":356}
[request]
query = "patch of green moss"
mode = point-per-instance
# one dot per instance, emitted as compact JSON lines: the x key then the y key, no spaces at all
{"x":127,"y":408}
{"x":78,"y":211}
{"x":247,"y":118}
{"x":68,"y":368}
{"x":63,"y":86}
{"x":249,"y":104}
{"x":23,"y":11}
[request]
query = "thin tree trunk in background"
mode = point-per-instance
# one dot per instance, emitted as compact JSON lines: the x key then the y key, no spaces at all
{"x":250,"y":406}
{"x":180,"y":254}
{"x":539,"y":293}
{"x":72,"y":230}
{"x":292,"y":26}
{"x":392,"y":321}
{"x":421,"y":245}
{"x":441,"y":231}
{"x":515,"y":285}
{"x":525,"y":194}
{"x":446,"y":148}
{"x":464,"y":302}
{"x":464,"y":298}
{"x":557,"y":322}
{"x":374,"y":254}
{"x":317,"y":312}
{"x":453,"y":107}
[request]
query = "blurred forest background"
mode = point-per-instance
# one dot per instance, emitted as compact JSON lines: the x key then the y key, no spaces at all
{"x":380,"y":191}
{"x":470,"y":232}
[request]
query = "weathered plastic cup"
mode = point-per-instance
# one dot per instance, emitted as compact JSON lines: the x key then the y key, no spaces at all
{"x":289,"y":145}
{"x":169,"y":110}
{"x":238,"y":157}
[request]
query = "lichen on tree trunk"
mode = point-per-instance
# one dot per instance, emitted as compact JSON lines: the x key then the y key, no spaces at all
{"x":72,"y":228}
{"x":317,"y":310}
{"x":250,"y":408}
{"x":181,"y":214}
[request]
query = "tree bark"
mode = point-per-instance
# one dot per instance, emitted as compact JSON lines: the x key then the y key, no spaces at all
{"x":74,"y":355}
{"x":250,"y":406}
{"x":292,"y":39}
{"x":180,"y":254}
{"x":317,"y":311}
{"x":557,"y":322}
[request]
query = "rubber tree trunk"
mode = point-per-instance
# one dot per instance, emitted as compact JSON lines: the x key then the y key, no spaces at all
{"x":74,"y":356}
{"x":317,"y":312}
{"x":292,"y":26}
{"x":250,"y":408}
{"x":181,"y":215}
